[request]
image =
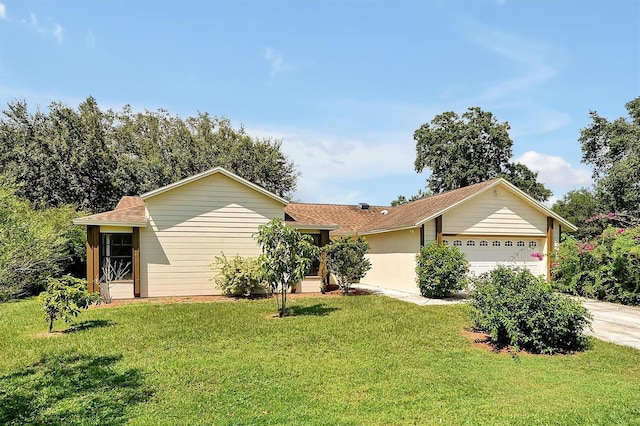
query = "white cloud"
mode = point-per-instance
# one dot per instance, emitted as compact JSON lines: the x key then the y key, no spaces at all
{"x":34,"y":20}
{"x":58,"y":33}
{"x":48,"y":28}
{"x":555,"y":171}
{"x":90,"y":40}
{"x":276,"y":62}
{"x":332,"y":167}
{"x":528,"y":65}
{"x":3,"y":11}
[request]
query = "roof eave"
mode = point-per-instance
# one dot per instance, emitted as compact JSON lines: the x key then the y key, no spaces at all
{"x":381,"y":231}
{"x":109,"y":223}
{"x":305,"y":226}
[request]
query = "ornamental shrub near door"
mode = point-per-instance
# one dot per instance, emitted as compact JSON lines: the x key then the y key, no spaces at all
{"x":441,"y":270}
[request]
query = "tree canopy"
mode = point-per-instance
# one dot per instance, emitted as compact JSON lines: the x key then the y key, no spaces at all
{"x":90,"y":158}
{"x":612,"y":148}
{"x":469,"y":149}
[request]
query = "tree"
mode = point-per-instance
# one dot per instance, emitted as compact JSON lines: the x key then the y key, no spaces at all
{"x":577,"y":207}
{"x":613,"y":150}
{"x":469,"y":149}
{"x":64,"y":298}
{"x":35,"y":245}
{"x":286,"y":258}
{"x":346,"y":260}
{"x":90,"y":158}
{"x":403,"y":200}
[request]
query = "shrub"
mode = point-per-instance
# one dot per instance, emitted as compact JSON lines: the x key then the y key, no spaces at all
{"x":441,"y":270}
{"x":35,"y":245}
{"x":606,"y":268}
{"x":64,"y":298}
{"x":345,"y":259}
{"x":239,"y":276}
{"x":518,"y":309}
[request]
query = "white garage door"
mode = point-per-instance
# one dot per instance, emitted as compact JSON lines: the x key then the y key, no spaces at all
{"x":485,"y":253}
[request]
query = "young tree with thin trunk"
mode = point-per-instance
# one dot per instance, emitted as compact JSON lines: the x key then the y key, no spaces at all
{"x":346,"y":260}
{"x":286,"y":258}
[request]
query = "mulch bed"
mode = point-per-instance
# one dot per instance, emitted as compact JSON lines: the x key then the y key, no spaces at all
{"x":483,"y":341}
{"x":201,"y":299}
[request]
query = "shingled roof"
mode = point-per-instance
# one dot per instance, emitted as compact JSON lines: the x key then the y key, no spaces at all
{"x":130,"y":211}
{"x":419,"y":211}
{"x":343,"y":219}
{"x":352,"y":220}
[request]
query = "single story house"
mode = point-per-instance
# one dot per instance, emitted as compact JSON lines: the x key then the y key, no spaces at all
{"x":171,"y":236}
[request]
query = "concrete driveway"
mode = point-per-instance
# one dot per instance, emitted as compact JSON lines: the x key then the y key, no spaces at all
{"x":613,"y":323}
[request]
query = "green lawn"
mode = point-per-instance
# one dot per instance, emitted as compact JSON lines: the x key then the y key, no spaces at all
{"x":365,"y":360}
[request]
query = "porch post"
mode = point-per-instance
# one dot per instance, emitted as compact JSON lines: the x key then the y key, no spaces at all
{"x":93,"y":258}
{"x":439,"y":230}
{"x":550,"y":246}
{"x":136,"y":262}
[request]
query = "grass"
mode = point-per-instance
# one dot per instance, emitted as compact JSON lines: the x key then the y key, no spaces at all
{"x":366,"y":360}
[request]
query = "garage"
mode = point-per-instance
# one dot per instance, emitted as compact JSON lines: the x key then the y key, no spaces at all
{"x":485,"y":253}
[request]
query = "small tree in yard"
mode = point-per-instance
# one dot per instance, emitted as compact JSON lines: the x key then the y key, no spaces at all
{"x":64,"y":298}
{"x":286,"y":258}
{"x":345,"y":260}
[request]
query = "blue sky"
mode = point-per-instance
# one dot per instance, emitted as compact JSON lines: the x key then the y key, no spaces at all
{"x":344,"y":84}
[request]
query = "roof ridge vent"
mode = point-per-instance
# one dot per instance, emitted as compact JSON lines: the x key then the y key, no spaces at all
{"x":364,"y":206}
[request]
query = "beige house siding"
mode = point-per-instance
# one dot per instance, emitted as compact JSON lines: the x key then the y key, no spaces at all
{"x":191,"y":225}
{"x":495,"y":212}
{"x":429,"y":232}
{"x":393,"y":259}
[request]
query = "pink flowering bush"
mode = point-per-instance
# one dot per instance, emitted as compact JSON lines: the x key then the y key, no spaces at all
{"x":538,"y":255}
{"x":606,"y":268}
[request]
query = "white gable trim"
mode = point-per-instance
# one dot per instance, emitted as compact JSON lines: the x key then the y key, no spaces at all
{"x":209,"y":173}
{"x":518,"y":192}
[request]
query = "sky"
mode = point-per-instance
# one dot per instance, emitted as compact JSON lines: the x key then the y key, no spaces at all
{"x":343,"y":84}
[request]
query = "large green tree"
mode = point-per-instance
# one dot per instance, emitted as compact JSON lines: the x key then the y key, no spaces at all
{"x":612,"y":148}
{"x":468,"y":149}
{"x":579,"y":207}
{"x":90,"y":157}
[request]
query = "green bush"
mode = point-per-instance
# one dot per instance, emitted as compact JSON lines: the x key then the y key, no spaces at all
{"x":346,"y":260}
{"x":64,"y":298}
{"x":35,"y":245}
{"x":239,"y":276}
{"x":441,"y":270}
{"x":606,"y":268}
{"x":519,"y":309}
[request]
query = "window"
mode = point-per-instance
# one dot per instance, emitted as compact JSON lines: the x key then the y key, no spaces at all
{"x":532,"y":244}
{"x":445,"y":242}
{"x":315,"y":264}
{"x":118,"y":250}
{"x":508,"y":243}
{"x":520,"y":243}
{"x":496,"y":243}
{"x":483,"y":243}
{"x":471,"y":243}
{"x":457,"y":243}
